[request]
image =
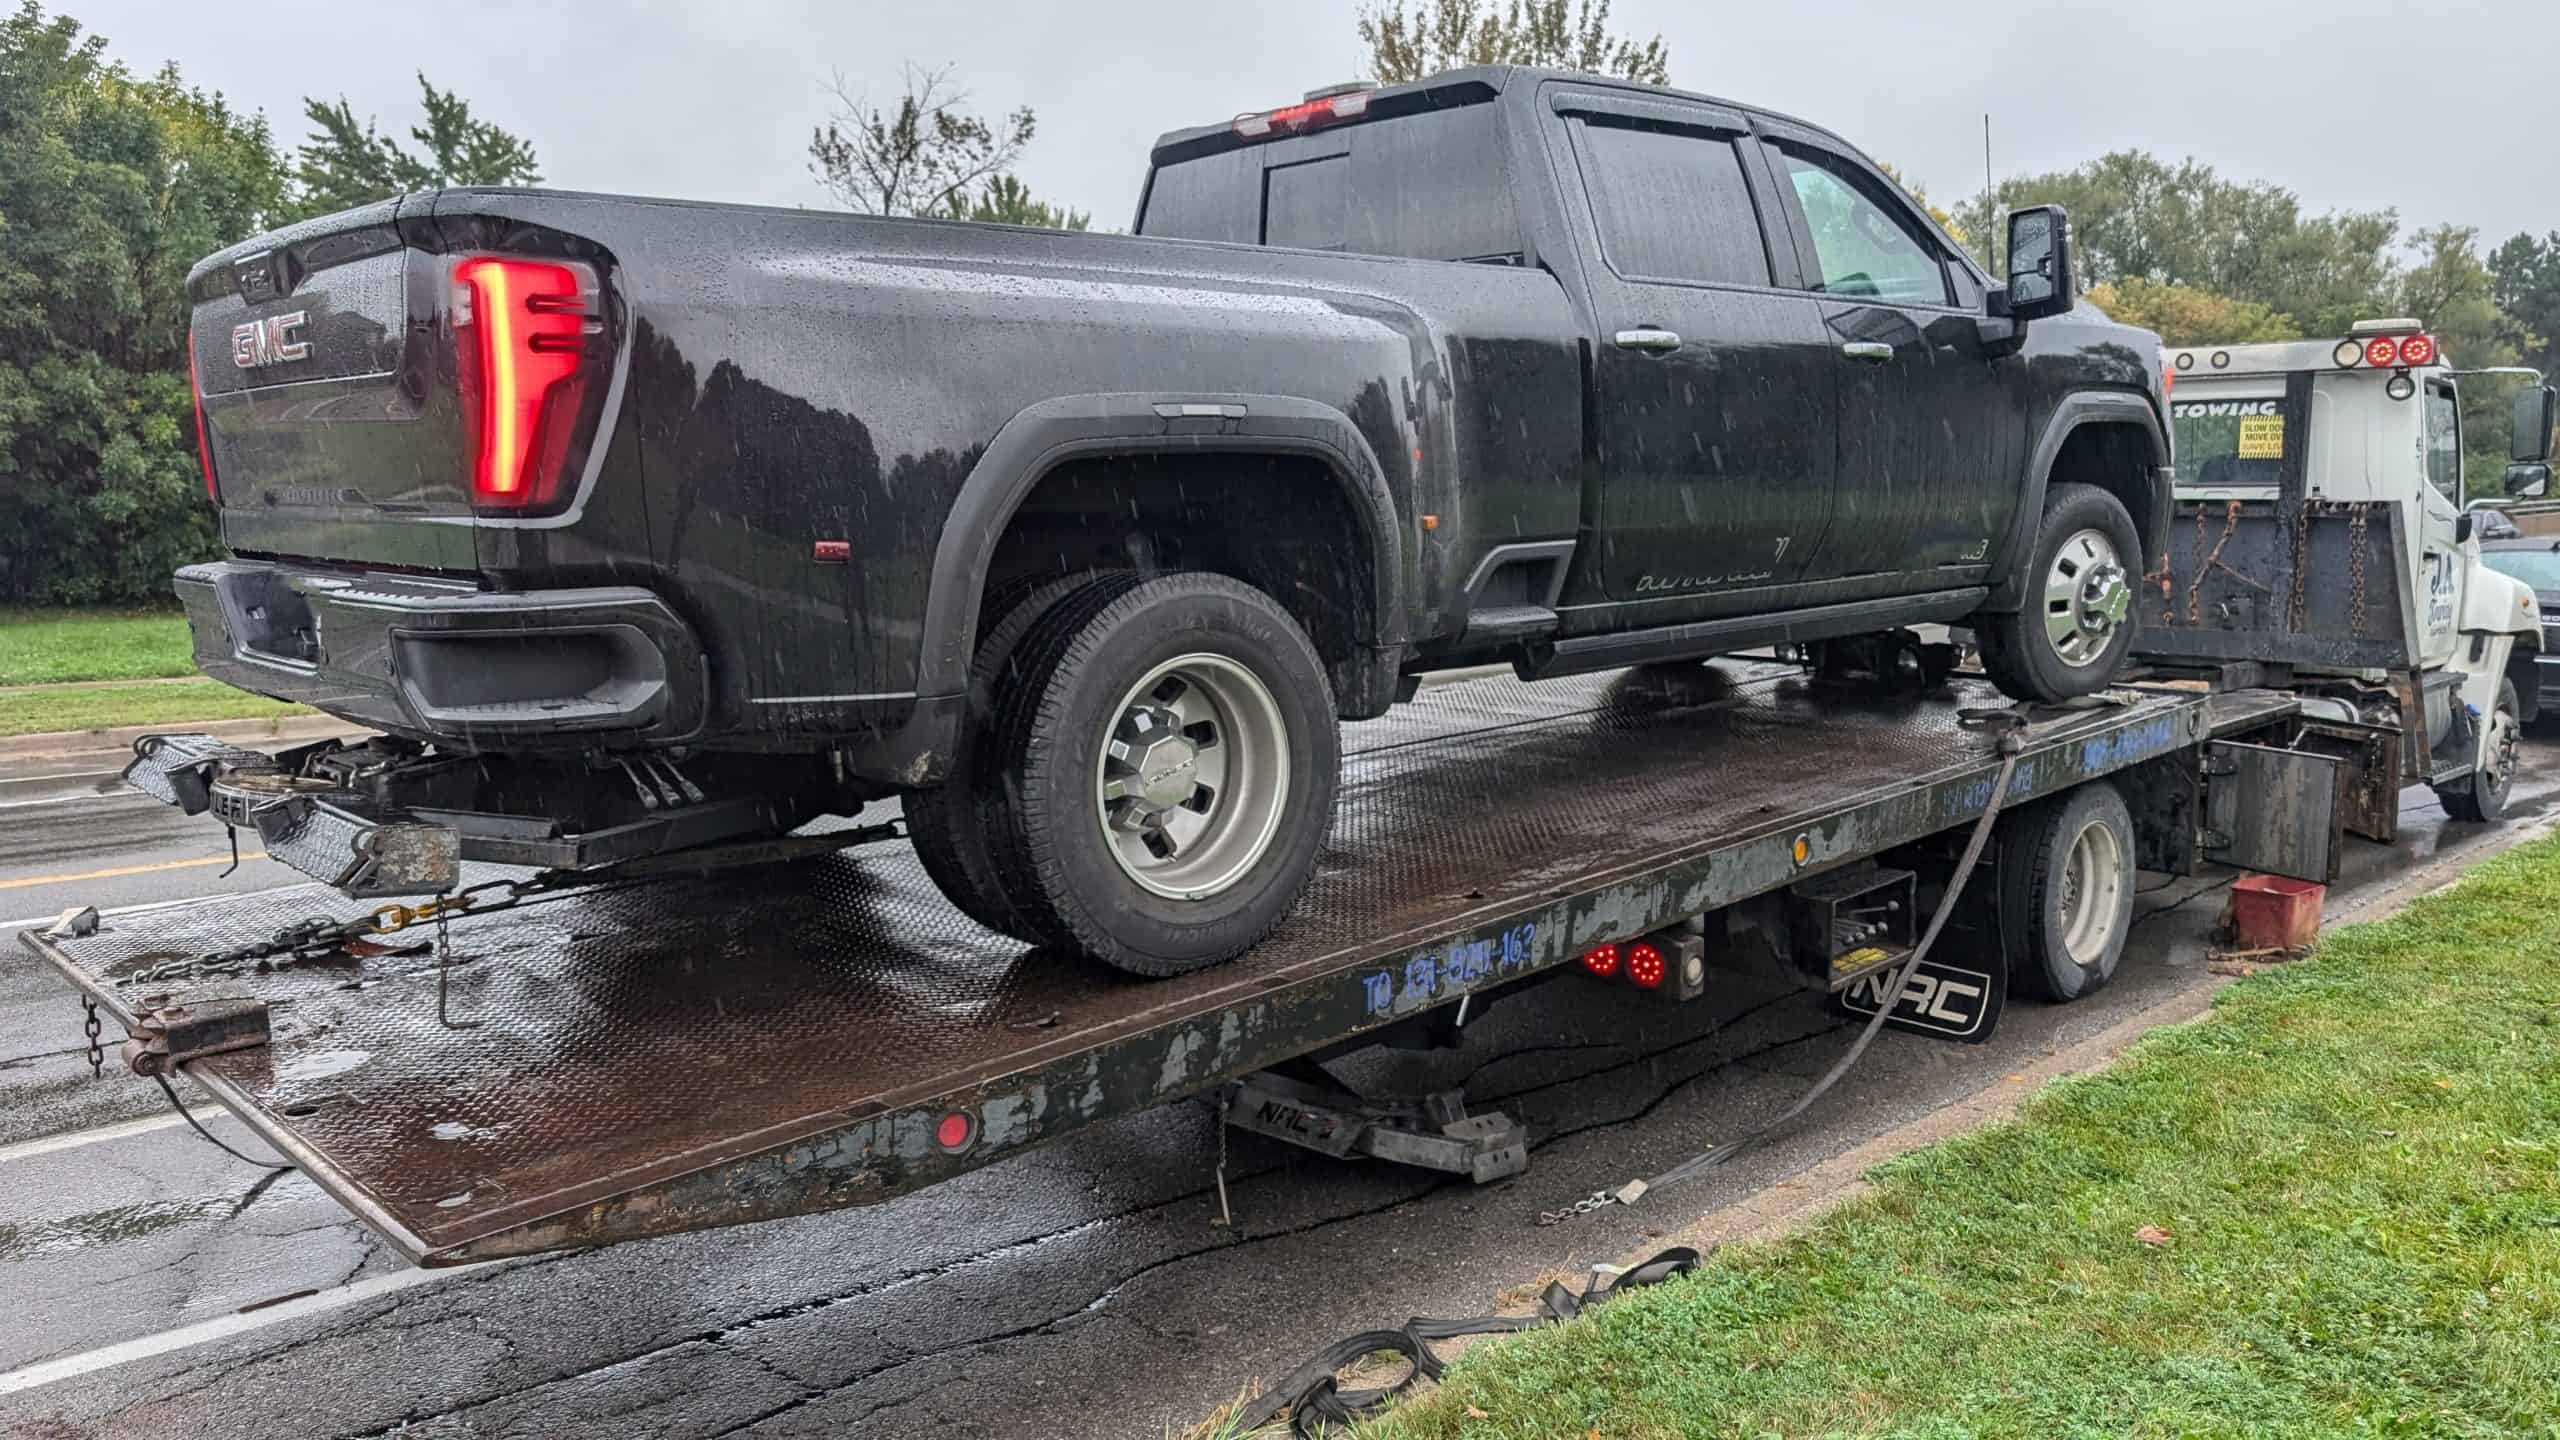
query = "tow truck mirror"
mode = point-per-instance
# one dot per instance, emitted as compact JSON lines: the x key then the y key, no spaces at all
{"x":2041,"y":281}
{"x":2528,"y":481}
{"x":2534,"y":405}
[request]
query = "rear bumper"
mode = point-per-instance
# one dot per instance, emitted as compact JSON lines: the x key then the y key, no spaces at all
{"x":442,"y":661}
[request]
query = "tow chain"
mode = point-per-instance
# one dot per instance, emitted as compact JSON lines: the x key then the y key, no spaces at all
{"x":2355,"y":551}
{"x":320,"y":939}
{"x":97,"y":1052}
{"x":2301,"y":548}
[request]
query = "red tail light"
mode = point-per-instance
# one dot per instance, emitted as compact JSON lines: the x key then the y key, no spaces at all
{"x":2382,"y":352}
{"x":2418,"y":350}
{"x":521,"y":330}
{"x":1602,"y":961}
{"x":204,"y":444}
{"x":1644,"y":964}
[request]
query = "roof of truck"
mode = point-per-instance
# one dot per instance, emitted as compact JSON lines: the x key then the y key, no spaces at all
{"x":1495,"y":78}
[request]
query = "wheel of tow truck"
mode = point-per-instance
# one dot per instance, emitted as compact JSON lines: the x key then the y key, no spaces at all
{"x":949,"y":822}
{"x":1170,"y":760}
{"x":2075,"y":627}
{"x":2066,"y":891}
{"x":2481,"y":796}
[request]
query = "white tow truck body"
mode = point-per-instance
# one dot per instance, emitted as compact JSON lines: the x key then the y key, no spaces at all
{"x":2311,"y":448}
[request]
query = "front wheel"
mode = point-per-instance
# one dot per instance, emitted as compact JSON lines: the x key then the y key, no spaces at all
{"x":2071,"y":634}
{"x":1169,"y":766}
{"x":2482,"y":795}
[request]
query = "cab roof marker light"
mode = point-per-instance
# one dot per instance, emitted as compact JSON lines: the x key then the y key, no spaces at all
{"x":2418,"y":350}
{"x":1349,"y":105}
{"x":2349,"y":354}
{"x":2381,"y":352}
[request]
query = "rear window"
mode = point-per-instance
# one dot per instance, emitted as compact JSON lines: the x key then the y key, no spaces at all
{"x":1672,"y":205}
{"x":1429,"y":186}
{"x":2232,"y":442}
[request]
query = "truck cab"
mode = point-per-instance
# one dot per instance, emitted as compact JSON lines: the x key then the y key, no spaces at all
{"x":2321,"y":540}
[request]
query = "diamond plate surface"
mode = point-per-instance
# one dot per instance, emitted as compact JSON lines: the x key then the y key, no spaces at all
{"x":683,"y":1023}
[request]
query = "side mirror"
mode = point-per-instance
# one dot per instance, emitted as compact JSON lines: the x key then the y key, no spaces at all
{"x":2462,"y":528}
{"x":2534,"y":405}
{"x":2528,"y":481}
{"x":2041,"y":281}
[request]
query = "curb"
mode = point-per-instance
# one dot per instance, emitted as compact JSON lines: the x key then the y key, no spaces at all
{"x":116,"y":742}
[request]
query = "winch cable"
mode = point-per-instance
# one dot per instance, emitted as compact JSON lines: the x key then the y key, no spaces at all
{"x":1312,"y":1394}
{"x":198,"y":1126}
{"x":2011,"y":746}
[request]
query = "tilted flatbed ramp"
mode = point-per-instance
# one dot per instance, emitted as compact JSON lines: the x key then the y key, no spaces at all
{"x":686,"y":1054}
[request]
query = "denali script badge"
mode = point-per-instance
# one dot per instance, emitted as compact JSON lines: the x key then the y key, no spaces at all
{"x":272,"y":341}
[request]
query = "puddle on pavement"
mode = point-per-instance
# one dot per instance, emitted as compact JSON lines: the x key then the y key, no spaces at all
{"x":43,"y":1239}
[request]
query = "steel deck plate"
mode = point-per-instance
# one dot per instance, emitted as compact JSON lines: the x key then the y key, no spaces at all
{"x":767,"y":1042}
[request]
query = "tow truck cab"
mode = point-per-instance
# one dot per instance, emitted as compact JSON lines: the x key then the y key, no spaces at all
{"x":2323,"y":545}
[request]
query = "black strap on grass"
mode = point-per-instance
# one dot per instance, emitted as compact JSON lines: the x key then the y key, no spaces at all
{"x":1311,"y":1395}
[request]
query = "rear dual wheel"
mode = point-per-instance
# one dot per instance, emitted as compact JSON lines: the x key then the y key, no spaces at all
{"x":1153,"y":777}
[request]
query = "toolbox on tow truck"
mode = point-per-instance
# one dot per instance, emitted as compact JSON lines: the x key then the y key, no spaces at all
{"x":633,"y":1059}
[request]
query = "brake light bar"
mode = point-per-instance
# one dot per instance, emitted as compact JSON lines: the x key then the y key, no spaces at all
{"x":521,"y":337}
{"x":2386,"y":352}
{"x":204,"y":442}
{"x":1324,"y":110}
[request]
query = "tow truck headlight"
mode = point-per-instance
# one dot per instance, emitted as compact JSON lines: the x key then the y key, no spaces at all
{"x":2401,"y":386}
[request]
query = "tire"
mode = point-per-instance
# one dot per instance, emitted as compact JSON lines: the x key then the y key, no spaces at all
{"x":2481,"y":796}
{"x":2066,"y":891}
{"x":948,"y":823}
{"x":1124,"y":700}
{"x":2071,"y":635}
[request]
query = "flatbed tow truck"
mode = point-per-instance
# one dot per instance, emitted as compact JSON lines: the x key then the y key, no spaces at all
{"x":539,"y":1067}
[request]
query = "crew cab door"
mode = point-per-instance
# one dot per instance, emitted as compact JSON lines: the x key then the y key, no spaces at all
{"x":1929,"y":445}
{"x":1713,"y":420}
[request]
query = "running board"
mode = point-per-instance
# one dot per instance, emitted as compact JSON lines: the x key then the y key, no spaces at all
{"x":1583,"y":654}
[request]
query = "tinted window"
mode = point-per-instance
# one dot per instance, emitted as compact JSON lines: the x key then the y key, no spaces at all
{"x":1302,"y":204}
{"x":1865,"y":247}
{"x":1672,"y":205}
{"x":1430,"y":185}
{"x":2444,"y":443}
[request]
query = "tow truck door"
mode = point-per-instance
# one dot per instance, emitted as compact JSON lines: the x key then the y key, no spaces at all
{"x":2437,"y":583}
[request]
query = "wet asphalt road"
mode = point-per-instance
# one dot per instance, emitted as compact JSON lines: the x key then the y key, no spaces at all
{"x":1078,"y":1290}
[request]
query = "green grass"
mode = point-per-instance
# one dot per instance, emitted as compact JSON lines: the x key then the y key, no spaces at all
{"x":30,"y":712}
{"x":42,"y":647}
{"x":2355,"y":1160}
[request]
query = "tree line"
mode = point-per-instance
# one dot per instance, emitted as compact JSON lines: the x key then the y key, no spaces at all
{"x":113,"y":183}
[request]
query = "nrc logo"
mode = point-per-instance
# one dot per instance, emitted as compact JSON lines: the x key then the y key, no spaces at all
{"x":1940,"y":999}
{"x":276,"y":340}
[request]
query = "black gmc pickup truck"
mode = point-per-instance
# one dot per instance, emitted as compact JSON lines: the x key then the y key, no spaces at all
{"x":637,"y":524}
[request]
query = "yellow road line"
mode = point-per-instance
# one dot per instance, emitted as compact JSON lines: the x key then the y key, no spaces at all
{"x":124,"y":870}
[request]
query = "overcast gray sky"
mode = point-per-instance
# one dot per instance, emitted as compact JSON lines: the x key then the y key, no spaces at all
{"x":2447,"y":110}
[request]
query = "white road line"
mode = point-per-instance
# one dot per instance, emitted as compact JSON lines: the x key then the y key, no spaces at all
{"x":145,"y":908}
{"x":223,"y":1327}
{"x":85,"y":798}
{"x":29,"y":1149}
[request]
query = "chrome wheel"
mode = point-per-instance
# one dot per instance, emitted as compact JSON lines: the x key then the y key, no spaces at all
{"x":2087,"y":596}
{"x":2498,"y":748}
{"x":2092,"y":888}
{"x":1194,"y":773}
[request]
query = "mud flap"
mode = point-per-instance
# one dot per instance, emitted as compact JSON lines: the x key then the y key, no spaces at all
{"x":1943,"y":1000}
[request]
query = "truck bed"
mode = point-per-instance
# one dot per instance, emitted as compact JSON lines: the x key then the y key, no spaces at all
{"x":678,"y":1055}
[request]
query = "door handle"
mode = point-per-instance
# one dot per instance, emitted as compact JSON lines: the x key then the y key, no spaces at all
{"x":1875,"y":350}
{"x":1646,"y":337}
